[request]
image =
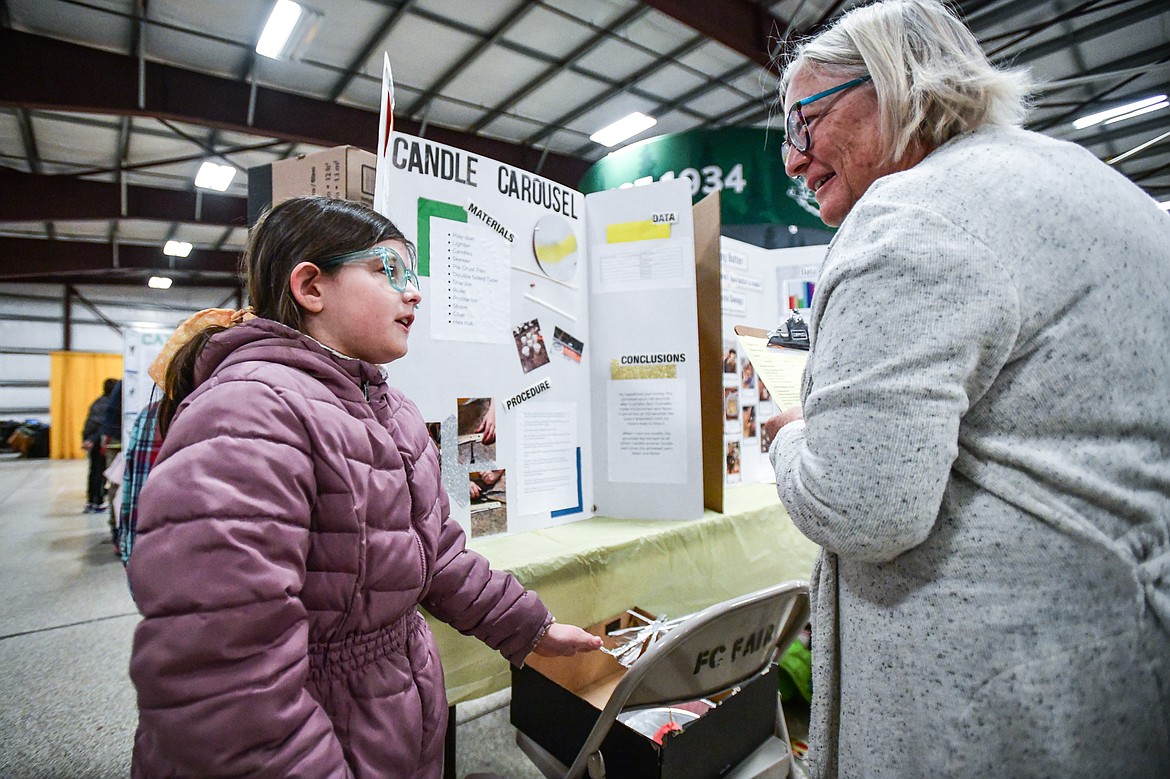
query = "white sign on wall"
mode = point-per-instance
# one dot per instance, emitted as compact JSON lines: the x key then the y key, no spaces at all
{"x":139,"y":348}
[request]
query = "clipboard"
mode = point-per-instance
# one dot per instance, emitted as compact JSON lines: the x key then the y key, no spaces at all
{"x":780,"y":368}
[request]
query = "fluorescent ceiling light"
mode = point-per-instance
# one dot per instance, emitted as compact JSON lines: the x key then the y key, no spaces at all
{"x":177,"y":248}
{"x":289,"y":31}
{"x":1104,"y":116}
{"x":622,"y":129}
{"x":214,"y":176}
{"x":1146,"y":110}
{"x":278,"y":29}
{"x":159,"y":282}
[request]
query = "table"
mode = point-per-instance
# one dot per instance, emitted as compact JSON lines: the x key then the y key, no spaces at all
{"x":589,"y":570}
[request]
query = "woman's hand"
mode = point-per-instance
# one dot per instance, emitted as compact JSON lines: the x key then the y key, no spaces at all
{"x":564,"y":640}
{"x":773,"y":425}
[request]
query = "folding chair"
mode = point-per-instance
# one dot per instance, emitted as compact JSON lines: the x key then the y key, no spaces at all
{"x":695,"y":660}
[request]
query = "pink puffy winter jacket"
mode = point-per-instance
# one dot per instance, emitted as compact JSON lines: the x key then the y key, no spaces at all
{"x":293,"y":523}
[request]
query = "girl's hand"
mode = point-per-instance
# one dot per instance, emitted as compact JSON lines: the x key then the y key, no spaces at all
{"x":565,"y":640}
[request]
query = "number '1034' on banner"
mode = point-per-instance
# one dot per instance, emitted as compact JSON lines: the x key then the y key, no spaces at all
{"x":742,"y":164}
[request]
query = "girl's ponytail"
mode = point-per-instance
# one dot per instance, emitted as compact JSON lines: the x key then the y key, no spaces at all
{"x":180,"y":375}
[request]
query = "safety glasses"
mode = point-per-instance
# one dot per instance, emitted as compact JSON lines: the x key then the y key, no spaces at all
{"x":399,"y":272}
{"x":796,"y":128}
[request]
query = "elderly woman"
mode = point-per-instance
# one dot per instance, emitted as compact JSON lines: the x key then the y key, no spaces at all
{"x":984,"y":448}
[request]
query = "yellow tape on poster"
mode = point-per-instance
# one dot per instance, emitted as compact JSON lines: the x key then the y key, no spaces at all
{"x":645,"y":230}
{"x":555,"y":252}
{"x":660,"y":371}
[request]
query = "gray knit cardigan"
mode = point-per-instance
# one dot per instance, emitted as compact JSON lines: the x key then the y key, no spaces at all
{"x":985,"y":461}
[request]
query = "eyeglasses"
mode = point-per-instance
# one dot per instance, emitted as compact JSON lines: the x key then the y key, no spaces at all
{"x":796,"y":126}
{"x":398,"y":271}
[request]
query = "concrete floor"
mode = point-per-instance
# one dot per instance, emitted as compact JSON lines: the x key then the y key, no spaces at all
{"x":67,"y":708}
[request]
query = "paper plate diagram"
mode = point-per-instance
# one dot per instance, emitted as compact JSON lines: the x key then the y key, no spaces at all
{"x":555,"y":247}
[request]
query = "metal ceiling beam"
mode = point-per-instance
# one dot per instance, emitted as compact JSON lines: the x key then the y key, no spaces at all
{"x":1119,"y":21}
{"x":157,"y":163}
{"x":741,"y":25}
{"x":666,"y":106}
{"x":62,"y":197}
{"x":1020,"y":35}
{"x":589,"y":45}
{"x":626,"y":41}
{"x":29,"y":258}
{"x":137,"y":29}
{"x":1153,"y":61}
{"x":829,"y":13}
{"x":1152,"y":56}
{"x":1140,"y":58}
{"x":662,"y":61}
{"x":223,"y":239}
{"x":372,"y":42}
{"x":28,"y":138}
{"x":1151,"y":173}
{"x":982,"y":16}
{"x":55,"y":75}
{"x":123,"y":152}
{"x":782,"y":31}
{"x":207,"y":146}
{"x":464,"y":61}
{"x":445,"y":21}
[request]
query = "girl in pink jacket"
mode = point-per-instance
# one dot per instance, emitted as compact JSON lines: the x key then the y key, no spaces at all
{"x":295,"y":521}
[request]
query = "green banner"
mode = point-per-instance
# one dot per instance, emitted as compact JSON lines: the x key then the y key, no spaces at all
{"x":742,"y":162}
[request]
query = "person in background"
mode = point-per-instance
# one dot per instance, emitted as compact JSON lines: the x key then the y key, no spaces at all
{"x":982,"y":445}
{"x":111,"y":422}
{"x":295,"y":521}
{"x":111,"y":436}
{"x":91,"y":442}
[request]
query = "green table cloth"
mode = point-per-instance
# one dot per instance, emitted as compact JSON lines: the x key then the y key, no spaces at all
{"x":589,"y":570}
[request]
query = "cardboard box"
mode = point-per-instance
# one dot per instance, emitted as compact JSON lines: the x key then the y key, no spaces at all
{"x":344,"y":172}
{"x":555,"y":702}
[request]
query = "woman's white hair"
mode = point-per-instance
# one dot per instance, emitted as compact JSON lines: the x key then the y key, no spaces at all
{"x":933,"y":81}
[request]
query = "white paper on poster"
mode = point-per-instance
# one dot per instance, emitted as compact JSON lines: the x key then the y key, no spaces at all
{"x":734,"y":304}
{"x":470,"y":295}
{"x":655,"y":264}
{"x":732,"y":258}
{"x":647,"y":435}
{"x":741,"y":281}
{"x":546,"y":466}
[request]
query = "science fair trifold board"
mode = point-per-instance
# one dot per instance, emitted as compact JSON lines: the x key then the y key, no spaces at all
{"x":569,"y":318}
